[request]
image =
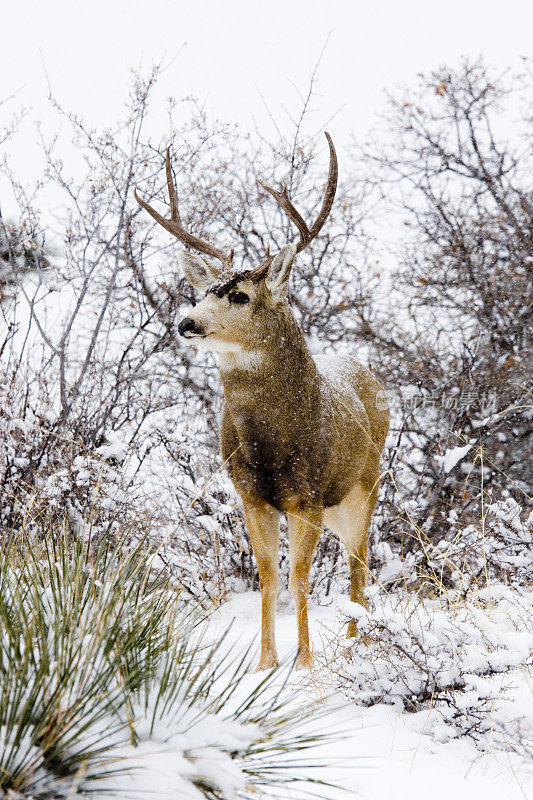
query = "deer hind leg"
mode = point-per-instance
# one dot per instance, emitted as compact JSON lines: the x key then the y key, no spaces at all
{"x":262,"y":521}
{"x":305,"y":527}
{"x":350,"y":519}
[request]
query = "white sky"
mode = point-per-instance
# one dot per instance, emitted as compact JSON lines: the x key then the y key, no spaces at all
{"x":227,"y":53}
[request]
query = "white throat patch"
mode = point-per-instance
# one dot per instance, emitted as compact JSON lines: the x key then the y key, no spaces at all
{"x":234,"y":357}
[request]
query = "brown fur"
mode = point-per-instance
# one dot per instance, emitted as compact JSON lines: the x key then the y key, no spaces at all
{"x":297,"y":439}
{"x":288,"y":432}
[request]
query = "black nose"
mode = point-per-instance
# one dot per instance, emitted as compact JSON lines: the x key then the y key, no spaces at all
{"x":188,"y":325}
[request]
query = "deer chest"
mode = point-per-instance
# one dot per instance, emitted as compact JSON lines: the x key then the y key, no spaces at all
{"x":270,"y":467}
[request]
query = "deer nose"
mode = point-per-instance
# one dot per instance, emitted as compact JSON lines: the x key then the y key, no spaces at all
{"x":188,"y":325}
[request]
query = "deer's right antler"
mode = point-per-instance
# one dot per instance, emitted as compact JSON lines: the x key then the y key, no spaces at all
{"x":174,"y":224}
{"x":308,"y":234}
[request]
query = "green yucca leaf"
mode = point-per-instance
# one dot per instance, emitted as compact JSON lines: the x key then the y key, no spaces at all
{"x":98,"y":653}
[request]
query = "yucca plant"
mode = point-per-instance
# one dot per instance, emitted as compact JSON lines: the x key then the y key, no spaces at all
{"x":107,"y":684}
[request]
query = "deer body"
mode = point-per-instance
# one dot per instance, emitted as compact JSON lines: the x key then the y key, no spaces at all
{"x":303,"y":441}
{"x":288,"y":429}
{"x":299,"y":437}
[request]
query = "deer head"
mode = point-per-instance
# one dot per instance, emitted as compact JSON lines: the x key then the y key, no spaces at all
{"x":239,"y":304}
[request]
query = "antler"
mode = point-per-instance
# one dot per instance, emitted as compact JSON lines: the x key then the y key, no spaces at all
{"x":308,"y":234}
{"x":174,"y":224}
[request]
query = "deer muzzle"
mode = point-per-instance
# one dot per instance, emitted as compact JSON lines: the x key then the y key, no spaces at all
{"x":189,"y":328}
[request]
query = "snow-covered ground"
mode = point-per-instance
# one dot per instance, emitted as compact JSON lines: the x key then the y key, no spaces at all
{"x":379,"y":752}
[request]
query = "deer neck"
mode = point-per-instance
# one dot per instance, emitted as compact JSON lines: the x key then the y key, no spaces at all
{"x":274,"y":377}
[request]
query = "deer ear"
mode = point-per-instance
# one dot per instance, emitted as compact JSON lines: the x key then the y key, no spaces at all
{"x":277,"y":277}
{"x":199,"y":271}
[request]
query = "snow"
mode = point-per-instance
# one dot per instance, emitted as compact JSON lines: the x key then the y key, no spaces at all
{"x":452,"y":457}
{"x":393,"y":565}
{"x":115,"y":448}
{"x":381,"y":751}
{"x":170,"y":758}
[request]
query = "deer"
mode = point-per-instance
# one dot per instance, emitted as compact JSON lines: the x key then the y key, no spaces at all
{"x":300,"y":436}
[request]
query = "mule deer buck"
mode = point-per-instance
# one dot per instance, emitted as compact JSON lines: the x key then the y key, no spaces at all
{"x":300,"y":436}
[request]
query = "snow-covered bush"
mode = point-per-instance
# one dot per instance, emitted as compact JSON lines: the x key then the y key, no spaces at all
{"x":43,"y":472}
{"x":499,"y":549}
{"x":453,"y":344}
{"x":20,"y":253}
{"x":106,"y":685}
{"x":455,"y":658}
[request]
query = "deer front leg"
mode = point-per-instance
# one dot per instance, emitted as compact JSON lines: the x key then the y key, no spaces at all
{"x":262,"y":521}
{"x":305,"y":527}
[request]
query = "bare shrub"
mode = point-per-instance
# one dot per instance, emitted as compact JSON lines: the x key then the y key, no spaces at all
{"x":455,"y":349}
{"x":446,"y":656}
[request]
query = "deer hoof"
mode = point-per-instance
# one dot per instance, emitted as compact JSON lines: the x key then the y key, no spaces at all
{"x":267,"y":661}
{"x":304,"y":661}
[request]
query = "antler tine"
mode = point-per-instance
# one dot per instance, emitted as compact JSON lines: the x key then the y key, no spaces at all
{"x":282,"y":198}
{"x":174,"y":224}
{"x":174,"y":212}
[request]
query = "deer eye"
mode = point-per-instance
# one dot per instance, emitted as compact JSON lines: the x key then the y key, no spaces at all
{"x":240,"y":298}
